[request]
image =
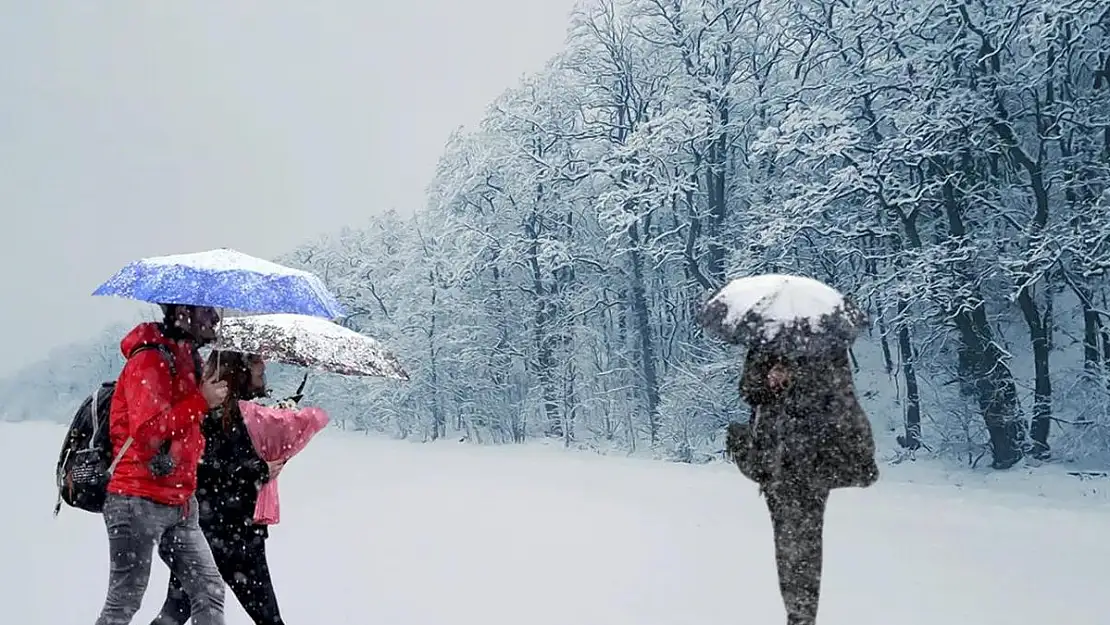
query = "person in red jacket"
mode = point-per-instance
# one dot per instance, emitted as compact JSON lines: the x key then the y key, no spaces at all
{"x":155,"y":419}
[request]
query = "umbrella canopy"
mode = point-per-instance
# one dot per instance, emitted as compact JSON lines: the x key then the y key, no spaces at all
{"x":309,"y":342}
{"x":779,"y":308}
{"x":223,"y":278}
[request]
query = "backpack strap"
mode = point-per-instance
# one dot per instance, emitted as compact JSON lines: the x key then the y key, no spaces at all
{"x":162,"y":349}
{"x":168,"y":357}
{"x":95,"y":422}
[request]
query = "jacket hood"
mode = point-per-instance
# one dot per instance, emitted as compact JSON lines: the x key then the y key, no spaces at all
{"x":143,"y":334}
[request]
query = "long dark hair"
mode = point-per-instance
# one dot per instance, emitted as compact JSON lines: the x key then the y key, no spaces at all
{"x":235,"y":369}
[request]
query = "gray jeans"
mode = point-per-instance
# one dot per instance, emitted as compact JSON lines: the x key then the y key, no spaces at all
{"x":135,"y":525}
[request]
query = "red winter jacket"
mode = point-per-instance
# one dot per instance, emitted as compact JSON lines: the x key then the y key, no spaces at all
{"x":151,"y":405}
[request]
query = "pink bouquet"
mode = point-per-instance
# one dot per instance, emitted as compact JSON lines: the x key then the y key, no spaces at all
{"x":278,"y":434}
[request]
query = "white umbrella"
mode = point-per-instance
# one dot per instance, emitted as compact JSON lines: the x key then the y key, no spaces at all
{"x":309,"y":342}
{"x":771,"y":307}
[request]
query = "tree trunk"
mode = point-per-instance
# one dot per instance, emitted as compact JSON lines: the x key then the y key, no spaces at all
{"x":911,"y":439}
{"x":543,"y":316}
{"x":644,"y":335}
{"x":439,"y":422}
{"x":1092,"y":329}
{"x":884,"y":343}
{"x":1042,"y":383}
{"x":990,"y":377}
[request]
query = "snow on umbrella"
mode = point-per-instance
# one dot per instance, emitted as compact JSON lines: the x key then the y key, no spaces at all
{"x":781,"y":310}
{"x":309,"y":342}
{"x":223,"y":278}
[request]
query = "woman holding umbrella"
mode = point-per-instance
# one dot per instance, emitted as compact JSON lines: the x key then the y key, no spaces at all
{"x":229,"y":477}
{"x":247,"y":444}
{"x":808,"y":433}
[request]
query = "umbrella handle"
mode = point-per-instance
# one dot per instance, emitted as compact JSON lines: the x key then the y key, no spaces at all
{"x":222,"y":312}
{"x":298,"y":395}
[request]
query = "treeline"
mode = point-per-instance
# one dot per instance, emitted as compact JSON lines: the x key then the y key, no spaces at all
{"x":946,"y":163}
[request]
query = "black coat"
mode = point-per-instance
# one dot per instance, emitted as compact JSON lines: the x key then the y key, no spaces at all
{"x":811,"y":433}
{"x":229,"y":475}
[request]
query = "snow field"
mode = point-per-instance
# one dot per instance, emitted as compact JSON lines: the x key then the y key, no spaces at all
{"x":380,"y":531}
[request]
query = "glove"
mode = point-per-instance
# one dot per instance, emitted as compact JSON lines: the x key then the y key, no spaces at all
{"x":162,"y":463}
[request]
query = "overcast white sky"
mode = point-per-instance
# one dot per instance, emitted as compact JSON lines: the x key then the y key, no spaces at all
{"x":136,"y":128}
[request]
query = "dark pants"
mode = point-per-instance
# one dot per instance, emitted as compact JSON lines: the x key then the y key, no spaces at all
{"x":798,"y":519}
{"x":241,"y":558}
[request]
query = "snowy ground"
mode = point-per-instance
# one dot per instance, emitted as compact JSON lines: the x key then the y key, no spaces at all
{"x":377,"y":531}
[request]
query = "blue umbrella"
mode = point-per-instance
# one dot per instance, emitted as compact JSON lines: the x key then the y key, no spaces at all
{"x":223,"y":278}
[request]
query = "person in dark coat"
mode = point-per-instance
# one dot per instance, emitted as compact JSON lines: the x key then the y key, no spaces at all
{"x":808,"y":435}
{"x":228,"y":479}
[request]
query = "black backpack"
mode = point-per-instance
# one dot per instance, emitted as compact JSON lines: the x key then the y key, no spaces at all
{"x":86,"y":463}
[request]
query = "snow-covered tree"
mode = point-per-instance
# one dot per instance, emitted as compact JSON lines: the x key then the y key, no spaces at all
{"x":946,"y":164}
